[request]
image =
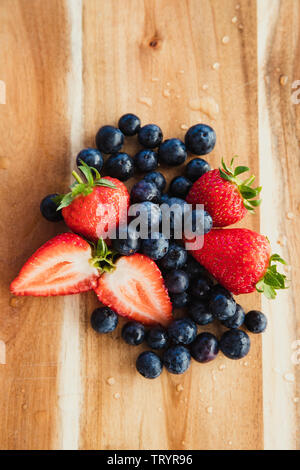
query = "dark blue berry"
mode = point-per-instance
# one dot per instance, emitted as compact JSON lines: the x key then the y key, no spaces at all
{"x":147,"y":211}
{"x":172,"y":152}
{"x":196,"y":168}
{"x":149,"y":365}
{"x":199,"y":221}
{"x":177,"y":208}
{"x":127,"y":241}
{"x":164,"y":198}
{"x":256,"y":321}
{"x":145,"y":191}
{"x":193,"y":268}
{"x":157,"y":337}
{"x":92,"y":157}
{"x":198,"y":311}
{"x":235,"y":344}
{"x":104,"y":320}
{"x":177,"y":281}
{"x":221,"y":306}
{"x":109,"y":139}
{"x":182,"y":331}
{"x":129,"y":124}
{"x":133,"y":333}
{"x":180,"y":300}
{"x":236,"y":320}
{"x":219,"y":289}
{"x":120,"y":166}
{"x":180,"y":186}
{"x":157,"y":178}
{"x":150,"y":136}
{"x":200,"y":139}
{"x":156,"y":246}
{"x":201,"y":287}
{"x":205,"y":347}
{"x":175,"y":258}
{"x":146,"y":160}
{"x":49,"y":210}
{"x":177,"y":359}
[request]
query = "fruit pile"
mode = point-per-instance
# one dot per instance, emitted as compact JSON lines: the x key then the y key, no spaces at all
{"x":146,"y":278}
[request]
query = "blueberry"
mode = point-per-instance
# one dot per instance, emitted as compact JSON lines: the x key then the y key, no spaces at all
{"x":219,"y":289}
{"x":175,"y":258}
{"x":256,"y":321}
{"x":155,"y":247}
{"x":180,"y":300}
{"x":205,"y":348}
{"x":145,"y":191}
{"x":120,"y":166}
{"x":133,"y":333}
{"x":196,"y":168}
{"x":236,"y":320}
{"x":201,"y":287}
{"x":150,"y":136}
{"x":177,"y":281}
{"x":164,"y":198}
{"x":199,"y":312}
{"x":157,"y":337}
{"x":104,"y":320}
{"x":127,"y":241}
{"x":200,"y":139}
{"x":157,"y":178}
{"x":172,"y":152}
{"x":177,"y":359}
{"x":199,"y":221}
{"x":177,"y":209}
{"x":180,"y":186}
{"x":109,"y":139}
{"x":147,"y":211}
{"x":235,"y":344}
{"x":149,"y":365}
{"x":129,"y":124}
{"x":49,"y":210}
{"x":146,"y":160}
{"x":221,"y":306}
{"x":92,"y":157}
{"x":182,"y":331}
{"x":194,"y":269}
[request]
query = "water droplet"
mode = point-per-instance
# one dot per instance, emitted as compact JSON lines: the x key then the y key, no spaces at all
{"x":117,"y":396}
{"x":225,"y":40}
{"x":289,"y":377}
{"x":234,"y":20}
{"x":206,"y":105}
{"x":166,"y":93}
{"x":111,"y":381}
{"x":181,"y":71}
{"x":246,"y":364}
{"x":160,"y":410}
{"x":178,"y":96}
{"x":209,"y":409}
{"x":237,"y":6}
{"x":179,"y":388}
{"x":4,"y":162}
{"x":184,"y":127}
{"x":216,"y":66}
{"x":283,"y":80}
{"x":24,"y":406}
{"x":146,"y":100}
{"x":155,"y":79}
{"x":168,"y":84}
{"x":205,"y":86}
{"x":296,"y":400}
{"x":222,"y":367}
{"x":290,"y":215}
{"x":230,"y":443}
{"x":183,"y":443}
{"x":241,"y":27}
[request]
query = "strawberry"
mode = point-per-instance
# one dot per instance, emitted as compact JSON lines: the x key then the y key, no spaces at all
{"x":241,"y":261}
{"x":135,"y":289}
{"x":224,"y":196}
{"x":95,"y":208}
{"x":60,"y":266}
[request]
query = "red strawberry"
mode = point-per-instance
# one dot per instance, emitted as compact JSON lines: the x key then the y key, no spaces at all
{"x":224,"y":196}
{"x":241,"y":261}
{"x":94,"y":208}
{"x":60,"y":266}
{"x":135,"y":289}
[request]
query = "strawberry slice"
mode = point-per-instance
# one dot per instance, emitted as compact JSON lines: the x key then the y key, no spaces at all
{"x":135,"y":289}
{"x":60,"y":266}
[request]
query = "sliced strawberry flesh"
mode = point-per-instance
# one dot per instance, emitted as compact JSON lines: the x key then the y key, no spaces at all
{"x":135,"y":289}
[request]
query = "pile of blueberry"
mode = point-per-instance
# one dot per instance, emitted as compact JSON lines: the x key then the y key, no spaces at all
{"x":189,"y":285}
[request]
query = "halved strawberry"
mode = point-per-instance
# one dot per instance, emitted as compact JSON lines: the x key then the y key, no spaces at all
{"x":135,"y":289}
{"x":60,"y":266}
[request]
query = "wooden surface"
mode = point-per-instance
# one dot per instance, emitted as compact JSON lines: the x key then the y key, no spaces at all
{"x":69,"y":67}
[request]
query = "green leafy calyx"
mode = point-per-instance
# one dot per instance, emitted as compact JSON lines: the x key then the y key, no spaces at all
{"x":272,"y":280}
{"x":81,"y":187}
{"x":248,"y":193}
{"x":103,"y":258}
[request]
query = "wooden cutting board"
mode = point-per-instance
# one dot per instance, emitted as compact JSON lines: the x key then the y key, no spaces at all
{"x":68,"y":67}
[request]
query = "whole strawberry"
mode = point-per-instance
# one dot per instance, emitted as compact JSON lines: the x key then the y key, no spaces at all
{"x":224,"y":196}
{"x":241,"y":261}
{"x":96,"y":207}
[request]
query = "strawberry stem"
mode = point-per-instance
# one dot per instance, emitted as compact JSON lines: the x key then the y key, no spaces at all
{"x":77,"y":177}
{"x":272,"y":280}
{"x":103,"y":257}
